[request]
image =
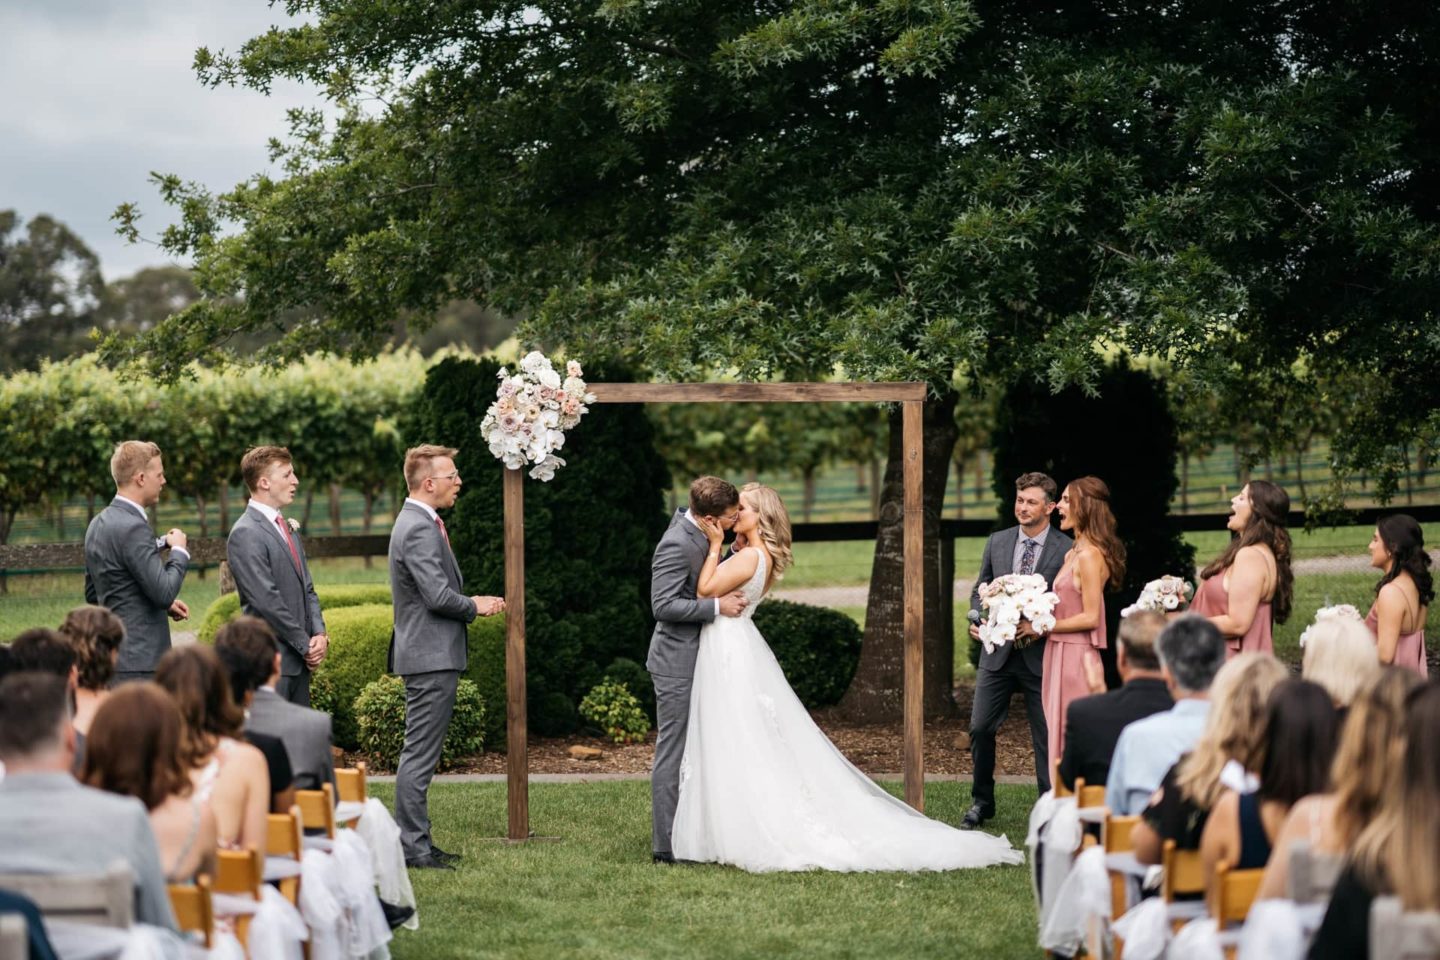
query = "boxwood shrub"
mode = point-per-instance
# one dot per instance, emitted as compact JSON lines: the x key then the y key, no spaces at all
{"x":818,"y":648}
{"x":380,"y":718}
{"x":227,"y":607}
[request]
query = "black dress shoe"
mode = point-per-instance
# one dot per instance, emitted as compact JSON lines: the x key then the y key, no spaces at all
{"x":662,"y":858}
{"x":428,"y":862}
{"x":444,"y":855}
{"x":975,"y":816}
{"x":395,"y":915}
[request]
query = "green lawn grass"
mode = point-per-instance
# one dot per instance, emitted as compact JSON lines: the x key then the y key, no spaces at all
{"x":594,"y":893}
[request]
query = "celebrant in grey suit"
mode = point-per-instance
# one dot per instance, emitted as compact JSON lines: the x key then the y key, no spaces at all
{"x":674,"y":572}
{"x":1032,"y":547}
{"x":271,"y":573}
{"x":49,"y":823}
{"x":428,"y":645}
{"x":124,"y":570}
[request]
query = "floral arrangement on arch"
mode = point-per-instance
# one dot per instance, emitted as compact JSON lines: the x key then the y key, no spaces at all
{"x":1164,"y":595}
{"x":1340,"y":611}
{"x":532,"y":410}
{"x":1009,"y":599}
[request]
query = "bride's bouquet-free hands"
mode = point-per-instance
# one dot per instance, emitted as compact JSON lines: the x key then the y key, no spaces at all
{"x":1165,"y":595}
{"x":1009,"y":599}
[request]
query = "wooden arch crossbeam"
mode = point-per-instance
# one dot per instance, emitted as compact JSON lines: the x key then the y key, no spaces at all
{"x":911,"y":395}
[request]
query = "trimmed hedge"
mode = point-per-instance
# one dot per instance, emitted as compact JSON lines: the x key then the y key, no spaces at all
{"x":380,"y":714}
{"x":818,"y":648}
{"x":227,"y":607}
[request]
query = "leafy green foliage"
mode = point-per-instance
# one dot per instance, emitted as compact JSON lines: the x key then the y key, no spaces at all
{"x":636,"y":679}
{"x":49,"y":285}
{"x":589,"y":533}
{"x":818,"y":648}
{"x":227,"y":606}
{"x":380,"y":716}
{"x":614,"y":709}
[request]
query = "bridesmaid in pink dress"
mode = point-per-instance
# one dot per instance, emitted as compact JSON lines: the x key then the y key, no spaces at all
{"x":1096,"y":560}
{"x":1247,"y":589}
{"x":1403,"y":596}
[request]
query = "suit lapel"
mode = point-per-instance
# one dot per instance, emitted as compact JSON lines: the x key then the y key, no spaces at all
{"x":451,"y":563}
{"x":274,"y":530}
{"x":1050,"y":553}
{"x":1006,"y":544}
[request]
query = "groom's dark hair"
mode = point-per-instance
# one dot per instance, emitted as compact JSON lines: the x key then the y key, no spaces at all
{"x":711,"y":496}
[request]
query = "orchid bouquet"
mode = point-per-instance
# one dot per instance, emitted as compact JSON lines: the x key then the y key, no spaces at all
{"x":1009,"y":599}
{"x":533,"y":409}
{"x":1340,"y":611}
{"x":1163,"y":595}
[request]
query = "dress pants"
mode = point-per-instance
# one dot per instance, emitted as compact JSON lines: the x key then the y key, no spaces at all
{"x":672,"y":716}
{"x":429,"y":703}
{"x":993,"y":689}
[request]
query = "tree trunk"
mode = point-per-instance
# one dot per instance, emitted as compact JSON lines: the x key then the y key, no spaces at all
{"x":60,"y":520}
{"x":1185,"y":483}
{"x":309,"y":502}
{"x":200,"y":508}
{"x":860,"y":486}
{"x":335,"y":509}
{"x":959,"y":490}
{"x":980,"y":475}
{"x":369,"y":514}
{"x":1300,"y":467}
{"x":875,"y":489}
{"x":222,"y":497}
{"x":89,"y":508}
{"x":807,"y":503}
{"x":876,"y":692}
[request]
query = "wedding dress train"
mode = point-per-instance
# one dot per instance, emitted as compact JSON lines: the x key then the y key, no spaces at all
{"x":763,"y":788}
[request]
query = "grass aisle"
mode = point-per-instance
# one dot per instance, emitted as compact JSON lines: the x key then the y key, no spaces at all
{"x":595,"y":893}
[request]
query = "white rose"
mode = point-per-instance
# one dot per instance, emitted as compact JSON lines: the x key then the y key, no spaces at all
{"x":573,"y":368}
{"x":548,"y":378}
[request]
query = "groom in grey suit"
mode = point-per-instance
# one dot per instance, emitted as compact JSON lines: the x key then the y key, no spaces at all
{"x":1032,"y":547}
{"x":427,"y":648}
{"x":271,"y":574}
{"x":679,"y":615}
{"x":123,"y":567}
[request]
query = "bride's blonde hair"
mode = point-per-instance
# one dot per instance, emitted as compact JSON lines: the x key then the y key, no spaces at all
{"x":774,"y":527}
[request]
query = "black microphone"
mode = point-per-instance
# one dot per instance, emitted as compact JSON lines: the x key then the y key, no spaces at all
{"x":973,"y":616}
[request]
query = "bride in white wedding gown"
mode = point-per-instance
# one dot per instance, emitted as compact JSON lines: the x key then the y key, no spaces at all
{"x":761,"y":787}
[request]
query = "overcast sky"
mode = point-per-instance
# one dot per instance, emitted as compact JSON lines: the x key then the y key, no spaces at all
{"x":98,"y":93}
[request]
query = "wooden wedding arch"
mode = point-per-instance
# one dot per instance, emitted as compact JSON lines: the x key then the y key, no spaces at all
{"x":911,"y":395}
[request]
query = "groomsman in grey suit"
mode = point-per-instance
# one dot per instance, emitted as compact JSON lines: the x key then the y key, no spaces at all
{"x":428,"y":646}
{"x":123,"y":567}
{"x":1032,"y":547}
{"x":271,"y":574}
{"x":51,"y":824}
{"x":679,"y":615}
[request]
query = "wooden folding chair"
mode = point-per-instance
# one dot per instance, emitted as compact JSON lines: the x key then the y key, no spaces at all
{"x":194,"y":910}
{"x":1088,"y":796}
{"x":286,"y":841}
{"x":1184,"y":875}
{"x":317,"y":809}
{"x":352,"y":787}
{"x":104,"y":899}
{"x":14,"y":937}
{"x":240,"y":873}
{"x":1115,"y":835}
{"x":1056,"y":783}
{"x":1232,"y":893}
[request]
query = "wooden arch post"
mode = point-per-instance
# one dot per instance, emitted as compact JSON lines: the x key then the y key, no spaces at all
{"x":911,"y":395}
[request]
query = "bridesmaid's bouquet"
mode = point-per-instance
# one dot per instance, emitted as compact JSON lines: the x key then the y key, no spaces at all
{"x":532,"y":410}
{"x":1009,"y":599}
{"x":1163,"y":595}
{"x":1340,"y":611}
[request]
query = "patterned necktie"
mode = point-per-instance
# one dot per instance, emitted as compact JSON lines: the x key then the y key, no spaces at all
{"x":289,"y":540}
{"x":1027,"y":558}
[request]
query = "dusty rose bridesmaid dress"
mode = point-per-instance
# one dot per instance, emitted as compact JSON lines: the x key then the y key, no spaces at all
{"x":1409,"y":649}
{"x":1213,"y":600}
{"x":1063,"y":678}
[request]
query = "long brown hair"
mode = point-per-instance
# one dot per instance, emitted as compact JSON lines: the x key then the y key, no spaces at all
{"x":1400,"y":850}
{"x":96,"y":634}
{"x":196,"y":678}
{"x":1090,"y":512}
{"x":134,"y":746}
{"x":1269,"y":512}
{"x":1372,"y":747}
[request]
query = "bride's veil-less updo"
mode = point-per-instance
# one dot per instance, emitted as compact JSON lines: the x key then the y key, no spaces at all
{"x":774,"y":527}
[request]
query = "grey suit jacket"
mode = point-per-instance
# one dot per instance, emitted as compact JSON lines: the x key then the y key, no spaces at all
{"x":123,"y":571}
{"x":425,"y":585}
{"x":271,"y":588}
{"x":305,"y":733}
{"x":51,"y":824}
{"x":679,"y":614}
{"x":999,"y":560}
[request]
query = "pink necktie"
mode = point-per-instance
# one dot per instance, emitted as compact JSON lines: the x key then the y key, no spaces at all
{"x":441,"y":524}
{"x":285,"y":532}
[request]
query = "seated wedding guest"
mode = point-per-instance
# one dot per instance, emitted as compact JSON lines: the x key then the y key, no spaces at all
{"x":1301,"y":728}
{"x":48,"y":651}
{"x":135,"y":752}
{"x":1339,"y":656}
{"x":1232,"y":741}
{"x":51,"y":824}
{"x":1398,"y":853}
{"x":1403,"y":596}
{"x":1098,"y":719}
{"x":1366,"y":771}
{"x":95,"y":633}
{"x":1192,"y":651}
{"x":249,"y":650}
{"x":227,"y":772}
